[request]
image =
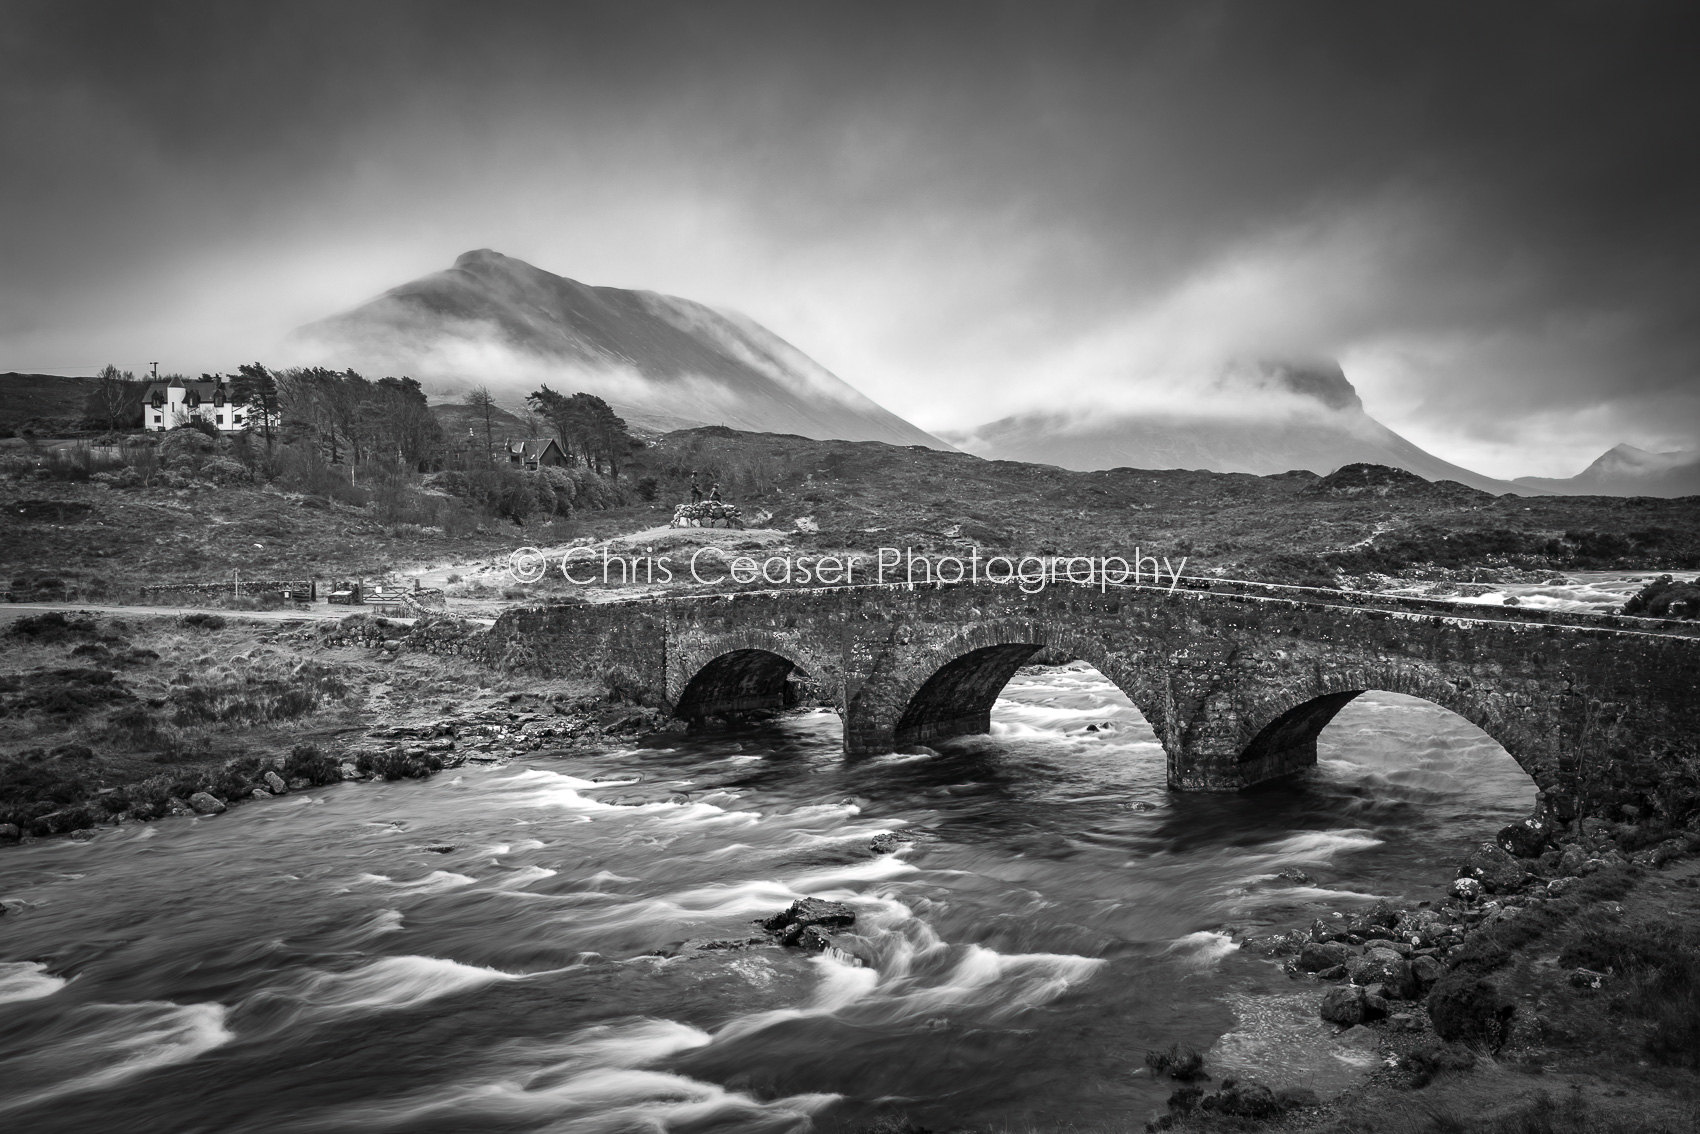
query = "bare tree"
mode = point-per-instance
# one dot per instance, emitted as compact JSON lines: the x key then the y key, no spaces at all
{"x":116,"y":398}
{"x":484,"y":405}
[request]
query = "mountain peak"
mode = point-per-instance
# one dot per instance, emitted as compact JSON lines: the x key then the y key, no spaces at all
{"x":479,"y":256}
{"x":661,"y":361}
{"x":1322,"y":381}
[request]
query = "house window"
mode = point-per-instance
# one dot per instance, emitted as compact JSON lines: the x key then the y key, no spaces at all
{"x":194,"y":400}
{"x":236,"y":419}
{"x":158,"y":400}
{"x":221,"y":419}
{"x":218,"y":399}
{"x":157,"y":419}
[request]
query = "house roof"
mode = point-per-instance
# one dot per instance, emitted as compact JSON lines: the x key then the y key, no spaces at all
{"x":198,"y":386}
{"x":533,"y":447}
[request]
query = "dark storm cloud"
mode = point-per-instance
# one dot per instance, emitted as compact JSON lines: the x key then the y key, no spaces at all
{"x":1484,"y":210}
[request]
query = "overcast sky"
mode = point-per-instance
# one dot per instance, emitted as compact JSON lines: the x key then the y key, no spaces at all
{"x":1489,"y":213}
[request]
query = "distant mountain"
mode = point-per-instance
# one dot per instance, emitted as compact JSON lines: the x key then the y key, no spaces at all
{"x":1322,"y":427}
{"x":660,"y":361}
{"x":1628,"y":471}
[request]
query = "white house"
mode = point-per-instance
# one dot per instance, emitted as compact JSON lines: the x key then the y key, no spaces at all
{"x":167,"y":405}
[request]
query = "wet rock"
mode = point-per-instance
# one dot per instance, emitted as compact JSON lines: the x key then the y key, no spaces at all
{"x":1143,"y":805}
{"x":10,"y":833}
{"x":82,"y":834}
{"x":1347,"y":1004}
{"x":274,"y":783}
{"x":260,"y":793}
{"x":348,"y":771}
{"x":805,"y":913}
{"x":1338,"y":972}
{"x":1296,"y":877}
{"x":888,"y":841}
{"x":440,"y":848}
{"x":1526,"y":838}
{"x":300,"y":783}
{"x":814,"y":939}
{"x":1494,"y":867}
{"x":1330,"y":930}
{"x":206,"y":803}
{"x":175,"y":806}
{"x":1370,"y":922}
{"x":1386,"y":968}
{"x":1320,"y":955}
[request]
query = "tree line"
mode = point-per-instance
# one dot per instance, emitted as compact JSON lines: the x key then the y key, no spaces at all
{"x":349,"y":418}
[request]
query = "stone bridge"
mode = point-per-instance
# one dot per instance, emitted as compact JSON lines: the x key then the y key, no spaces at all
{"x":1236,"y":679}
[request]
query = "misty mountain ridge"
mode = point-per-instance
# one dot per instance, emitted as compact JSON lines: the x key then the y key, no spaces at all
{"x":1624,"y":470}
{"x":1274,"y":417}
{"x":661,"y":361}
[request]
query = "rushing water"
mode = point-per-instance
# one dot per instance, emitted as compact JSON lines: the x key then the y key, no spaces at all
{"x":306,"y":964}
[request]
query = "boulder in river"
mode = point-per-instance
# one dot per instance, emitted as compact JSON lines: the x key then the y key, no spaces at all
{"x":205,"y":803}
{"x":10,"y":833}
{"x":274,"y":783}
{"x":888,"y":841}
{"x":806,"y":913}
{"x":1494,"y":867}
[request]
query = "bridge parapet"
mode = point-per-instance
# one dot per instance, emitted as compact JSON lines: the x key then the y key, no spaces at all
{"x":1237,"y":679}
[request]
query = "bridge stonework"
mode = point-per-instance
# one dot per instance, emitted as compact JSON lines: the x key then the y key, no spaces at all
{"x":1236,"y":685}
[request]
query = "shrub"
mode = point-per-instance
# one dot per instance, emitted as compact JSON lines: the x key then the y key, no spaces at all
{"x":398,"y":765}
{"x":204,"y":621}
{"x":1467,"y":1009}
{"x":309,"y":762}
{"x":1182,"y":1061}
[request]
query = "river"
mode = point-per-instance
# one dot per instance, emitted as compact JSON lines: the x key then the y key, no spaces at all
{"x":307,"y":964}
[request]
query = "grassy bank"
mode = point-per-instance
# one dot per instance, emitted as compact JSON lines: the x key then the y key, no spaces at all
{"x":110,"y":720}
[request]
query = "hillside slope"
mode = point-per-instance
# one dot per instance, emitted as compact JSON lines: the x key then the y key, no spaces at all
{"x":1321,"y":425}
{"x":662,"y":362}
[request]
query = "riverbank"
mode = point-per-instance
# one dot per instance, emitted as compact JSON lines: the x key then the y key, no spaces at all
{"x":108,"y":720}
{"x":1558,"y":991}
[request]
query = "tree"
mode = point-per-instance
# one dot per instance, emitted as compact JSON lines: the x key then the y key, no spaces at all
{"x":116,"y":399}
{"x":587,"y":427}
{"x":408,"y":427}
{"x":256,"y":388}
{"x":484,"y":406}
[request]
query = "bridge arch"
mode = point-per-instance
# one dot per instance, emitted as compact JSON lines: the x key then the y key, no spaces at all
{"x":948,"y":687}
{"x":1284,"y":728}
{"x":741,"y":672}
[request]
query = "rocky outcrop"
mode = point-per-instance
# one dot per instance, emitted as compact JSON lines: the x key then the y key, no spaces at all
{"x":809,"y":923}
{"x":1495,"y":868}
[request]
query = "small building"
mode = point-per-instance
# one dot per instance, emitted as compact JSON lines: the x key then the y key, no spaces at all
{"x":538,"y":452}
{"x":169,"y":404}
